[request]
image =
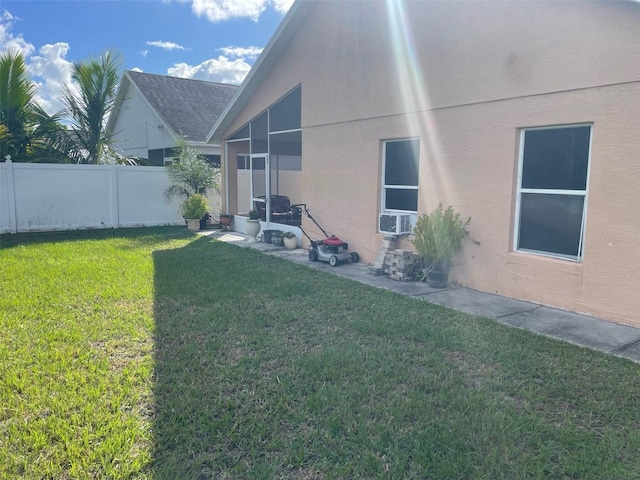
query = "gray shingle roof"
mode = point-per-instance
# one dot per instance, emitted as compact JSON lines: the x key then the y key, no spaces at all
{"x":189,"y":107}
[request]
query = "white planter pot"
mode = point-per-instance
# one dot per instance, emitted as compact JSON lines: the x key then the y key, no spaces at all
{"x":193,"y":224}
{"x":290,"y":243}
{"x":253,"y":228}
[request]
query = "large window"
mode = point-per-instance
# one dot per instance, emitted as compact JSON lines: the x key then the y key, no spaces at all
{"x":552,"y":190}
{"x":400,"y":175}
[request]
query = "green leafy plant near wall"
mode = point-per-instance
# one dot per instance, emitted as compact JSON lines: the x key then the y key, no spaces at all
{"x":194,"y":207}
{"x":438,"y":236}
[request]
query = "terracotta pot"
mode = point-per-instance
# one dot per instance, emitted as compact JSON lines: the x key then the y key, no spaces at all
{"x":225,"y":221}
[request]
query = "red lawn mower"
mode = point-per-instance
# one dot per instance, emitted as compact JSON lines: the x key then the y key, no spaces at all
{"x":330,"y":249}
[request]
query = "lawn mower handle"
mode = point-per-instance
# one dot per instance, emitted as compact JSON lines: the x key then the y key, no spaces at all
{"x":303,"y":207}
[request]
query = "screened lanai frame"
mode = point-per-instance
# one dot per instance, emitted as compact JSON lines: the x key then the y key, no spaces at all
{"x":274,"y":132}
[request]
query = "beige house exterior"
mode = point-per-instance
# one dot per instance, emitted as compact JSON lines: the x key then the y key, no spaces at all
{"x":525,"y":116}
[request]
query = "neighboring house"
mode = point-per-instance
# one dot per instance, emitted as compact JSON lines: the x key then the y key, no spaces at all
{"x":153,"y":111}
{"x":524,"y":116}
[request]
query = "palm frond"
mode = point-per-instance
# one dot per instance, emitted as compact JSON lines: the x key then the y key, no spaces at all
{"x":16,"y":104}
{"x":190,"y":174}
{"x":89,"y":105}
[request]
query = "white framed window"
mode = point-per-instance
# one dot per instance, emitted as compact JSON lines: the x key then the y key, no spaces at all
{"x":551,"y":203}
{"x":400,"y":165}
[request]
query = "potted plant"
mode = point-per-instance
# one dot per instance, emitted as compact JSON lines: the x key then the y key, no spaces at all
{"x":225,"y":221}
{"x":276,"y":238}
{"x":438,"y":236}
{"x":193,"y":209}
{"x":205,"y":221}
{"x":190,"y":174}
{"x":253,"y":225}
{"x":290,"y":240}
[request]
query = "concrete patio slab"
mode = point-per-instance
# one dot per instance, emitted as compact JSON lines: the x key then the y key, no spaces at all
{"x":479,"y":303}
{"x":575,"y":328}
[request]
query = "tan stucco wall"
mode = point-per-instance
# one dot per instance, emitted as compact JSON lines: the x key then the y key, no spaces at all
{"x":479,"y":72}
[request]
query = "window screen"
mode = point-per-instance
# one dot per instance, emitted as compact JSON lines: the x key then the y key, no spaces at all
{"x":400,"y":183}
{"x":553,"y":190}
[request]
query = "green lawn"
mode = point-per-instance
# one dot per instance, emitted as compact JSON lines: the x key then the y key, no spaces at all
{"x":150,"y":353}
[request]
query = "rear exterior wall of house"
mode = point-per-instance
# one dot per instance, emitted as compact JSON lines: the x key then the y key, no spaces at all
{"x":466,"y":79}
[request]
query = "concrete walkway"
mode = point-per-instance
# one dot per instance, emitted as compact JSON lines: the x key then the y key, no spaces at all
{"x":584,"y":330}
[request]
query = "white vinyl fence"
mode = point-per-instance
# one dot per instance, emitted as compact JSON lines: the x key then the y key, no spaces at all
{"x":41,"y":197}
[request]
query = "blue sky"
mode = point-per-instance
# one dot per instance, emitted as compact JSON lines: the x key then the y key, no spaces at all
{"x":215,"y":40}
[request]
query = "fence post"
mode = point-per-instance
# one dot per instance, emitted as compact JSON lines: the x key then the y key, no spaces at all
{"x":115,"y":216}
{"x":11,"y":198}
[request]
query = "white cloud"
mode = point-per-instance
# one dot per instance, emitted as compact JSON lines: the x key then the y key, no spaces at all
{"x":219,"y":69}
{"x":282,"y":6}
{"x":221,"y":10}
{"x":166,"y":45}
{"x":136,"y":69}
{"x":241,"y":52}
{"x":51,"y":71}
{"x":231,"y":67}
{"x":6,"y":15}
{"x":10,"y":42}
{"x":144,"y":53}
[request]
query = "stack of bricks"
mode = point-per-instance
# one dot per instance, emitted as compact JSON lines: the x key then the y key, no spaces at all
{"x":379,"y":268}
{"x":402,"y":265}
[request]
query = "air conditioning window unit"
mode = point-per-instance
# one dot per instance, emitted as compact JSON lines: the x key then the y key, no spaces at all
{"x":394,"y":223}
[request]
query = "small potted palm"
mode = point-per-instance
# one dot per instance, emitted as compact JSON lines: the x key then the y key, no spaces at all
{"x":188,"y":175}
{"x":193,"y":209}
{"x":438,"y":236}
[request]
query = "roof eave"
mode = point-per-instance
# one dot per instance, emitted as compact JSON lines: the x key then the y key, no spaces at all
{"x":120,"y":98}
{"x":165,"y":124}
{"x":261,"y":67}
{"x":203,"y":144}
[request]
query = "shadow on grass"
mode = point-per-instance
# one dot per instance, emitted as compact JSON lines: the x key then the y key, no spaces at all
{"x":225,"y":369}
{"x":189,"y":283}
{"x":266,"y":369}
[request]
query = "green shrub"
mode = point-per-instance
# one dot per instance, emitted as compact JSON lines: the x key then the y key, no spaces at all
{"x":195,"y":206}
{"x":439,"y":234}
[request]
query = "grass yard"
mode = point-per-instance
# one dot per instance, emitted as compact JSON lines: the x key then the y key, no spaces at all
{"x":150,"y":353}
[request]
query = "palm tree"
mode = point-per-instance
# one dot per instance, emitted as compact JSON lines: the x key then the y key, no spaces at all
{"x":190,"y":173}
{"x":88,"y":108}
{"x":27,"y":132}
{"x":49,"y":140}
{"x":16,"y":105}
